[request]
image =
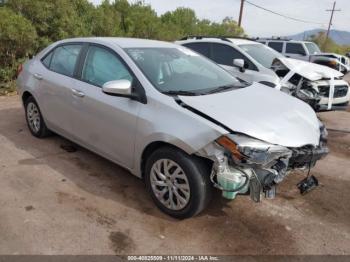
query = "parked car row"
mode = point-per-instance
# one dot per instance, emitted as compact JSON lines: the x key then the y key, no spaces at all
{"x":175,"y":118}
{"x":308,"y":51}
{"x":321,"y":87}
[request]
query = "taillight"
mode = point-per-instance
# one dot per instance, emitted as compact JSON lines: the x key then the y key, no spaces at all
{"x":19,"y":69}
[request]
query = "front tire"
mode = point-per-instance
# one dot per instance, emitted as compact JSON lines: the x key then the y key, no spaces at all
{"x":34,"y":119}
{"x":178,"y":183}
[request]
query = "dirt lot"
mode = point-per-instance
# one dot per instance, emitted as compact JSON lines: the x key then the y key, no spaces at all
{"x":56,"y":202}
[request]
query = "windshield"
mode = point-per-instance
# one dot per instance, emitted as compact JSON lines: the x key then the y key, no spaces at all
{"x":313,"y":48}
{"x":181,"y":70}
{"x":261,"y":53}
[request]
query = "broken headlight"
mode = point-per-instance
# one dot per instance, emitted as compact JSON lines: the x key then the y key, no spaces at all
{"x":249,"y":150}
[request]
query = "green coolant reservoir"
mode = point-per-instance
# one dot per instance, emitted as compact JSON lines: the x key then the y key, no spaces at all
{"x":230,"y":178}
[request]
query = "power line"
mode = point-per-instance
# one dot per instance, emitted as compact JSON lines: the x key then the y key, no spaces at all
{"x":284,"y":16}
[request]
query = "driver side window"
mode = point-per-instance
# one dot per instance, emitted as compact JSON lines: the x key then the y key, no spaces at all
{"x":224,"y":55}
{"x":102,"y":66}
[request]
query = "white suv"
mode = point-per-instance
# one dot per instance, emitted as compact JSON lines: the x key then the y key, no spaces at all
{"x":252,"y":61}
{"x":308,"y":51}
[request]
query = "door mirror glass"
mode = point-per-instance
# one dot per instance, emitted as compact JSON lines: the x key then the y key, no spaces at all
{"x":118,"y":87}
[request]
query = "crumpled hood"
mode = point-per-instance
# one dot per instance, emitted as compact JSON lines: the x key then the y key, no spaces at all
{"x":327,"y":54}
{"x":309,"y":70}
{"x":261,"y":112}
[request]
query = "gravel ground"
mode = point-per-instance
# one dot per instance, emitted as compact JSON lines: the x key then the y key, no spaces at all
{"x":56,"y":202}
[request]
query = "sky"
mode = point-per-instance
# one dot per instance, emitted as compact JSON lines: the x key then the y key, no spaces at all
{"x":257,"y":22}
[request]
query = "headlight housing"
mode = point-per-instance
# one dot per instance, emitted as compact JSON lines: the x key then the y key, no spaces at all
{"x":249,"y":150}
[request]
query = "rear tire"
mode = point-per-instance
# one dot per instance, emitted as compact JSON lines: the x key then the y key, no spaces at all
{"x":178,"y":183}
{"x":35,"y":121}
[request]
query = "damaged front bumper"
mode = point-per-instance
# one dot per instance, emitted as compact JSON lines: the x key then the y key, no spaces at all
{"x":257,"y":167}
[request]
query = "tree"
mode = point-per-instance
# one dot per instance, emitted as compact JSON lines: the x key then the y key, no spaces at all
{"x":123,"y":8}
{"x":143,"y":21}
{"x":330,"y":46}
{"x":17,"y":40}
{"x":184,"y":19}
{"x":55,"y":20}
{"x":231,"y":28}
{"x":106,"y":20}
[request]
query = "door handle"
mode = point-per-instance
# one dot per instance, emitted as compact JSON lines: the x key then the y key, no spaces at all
{"x":77,"y":93}
{"x":38,"y":76}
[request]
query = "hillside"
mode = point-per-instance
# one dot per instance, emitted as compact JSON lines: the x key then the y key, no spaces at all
{"x":340,"y":37}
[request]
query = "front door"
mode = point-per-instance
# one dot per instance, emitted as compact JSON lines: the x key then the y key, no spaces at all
{"x":224,"y":56}
{"x":105,"y":123}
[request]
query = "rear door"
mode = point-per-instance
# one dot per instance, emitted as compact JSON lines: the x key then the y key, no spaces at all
{"x":56,"y":83}
{"x":105,"y":123}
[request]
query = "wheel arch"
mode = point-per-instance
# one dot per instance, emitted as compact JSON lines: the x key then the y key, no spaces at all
{"x":153,"y":146}
{"x":25,"y":96}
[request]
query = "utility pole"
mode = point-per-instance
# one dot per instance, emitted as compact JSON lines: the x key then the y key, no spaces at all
{"x":240,"y":13}
{"x":330,"y":22}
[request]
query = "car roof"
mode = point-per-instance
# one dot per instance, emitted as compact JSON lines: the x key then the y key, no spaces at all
{"x":282,"y":40}
{"x":235,"y":41}
{"x":122,"y":42}
{"x":239,"y":41}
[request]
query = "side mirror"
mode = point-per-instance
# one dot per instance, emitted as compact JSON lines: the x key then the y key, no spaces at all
{"x":118,"y":88}
{"x":240,"y":64}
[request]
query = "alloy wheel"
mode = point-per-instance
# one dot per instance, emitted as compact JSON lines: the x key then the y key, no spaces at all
{"x":33,"y":117}
{"x":170,"y":184}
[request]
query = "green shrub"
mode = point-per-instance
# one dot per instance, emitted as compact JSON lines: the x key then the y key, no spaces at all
{"x":17,"y":41}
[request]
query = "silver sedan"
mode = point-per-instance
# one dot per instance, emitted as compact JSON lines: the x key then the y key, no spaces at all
{"x":171,"y":117}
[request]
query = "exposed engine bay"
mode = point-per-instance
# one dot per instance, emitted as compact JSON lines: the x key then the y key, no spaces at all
{"x":297,"y":85}
{"x":245,"y":165}
{"x":309,"y":84}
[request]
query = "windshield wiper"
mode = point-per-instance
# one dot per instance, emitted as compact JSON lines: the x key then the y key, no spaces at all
{"x":181,"y":93}
{"x":221,"y":88}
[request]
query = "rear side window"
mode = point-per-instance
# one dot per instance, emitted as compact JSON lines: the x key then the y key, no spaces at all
{"x":295,"y":48}
{"x":202,"y":48}
{"x":47,"y":60}
{"x":224,"y":55}
{"x":64,"y":59}
{"x":278,"y":46}
{"x":102,"y":66}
